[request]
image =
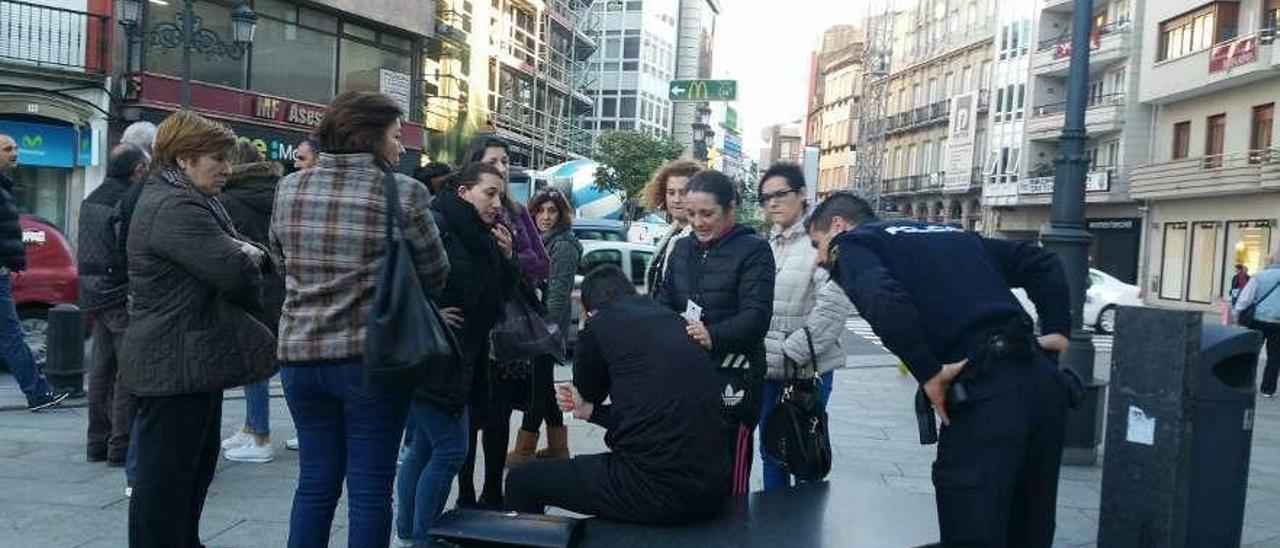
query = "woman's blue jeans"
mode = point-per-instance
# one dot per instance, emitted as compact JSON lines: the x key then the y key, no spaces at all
{"x":775,"y":477}
{"x":422,"y":487}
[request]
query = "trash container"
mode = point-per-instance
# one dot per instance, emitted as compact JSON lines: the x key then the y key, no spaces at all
{"x":1179,"y":429}
{"x":1224,"y":397}
{"x":64,"y":362}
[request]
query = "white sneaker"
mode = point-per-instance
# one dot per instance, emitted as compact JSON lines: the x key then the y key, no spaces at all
{"x":240,"y":438}
{"x":291,"y":444}
{"x":251,"y":452}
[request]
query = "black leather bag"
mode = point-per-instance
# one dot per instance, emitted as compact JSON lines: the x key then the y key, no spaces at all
{"x":1248,"y":316}
{"x":523,"y":333}
{"x":404,"y":331}
{"x":467,"y":527}
{"x":796,"y":435}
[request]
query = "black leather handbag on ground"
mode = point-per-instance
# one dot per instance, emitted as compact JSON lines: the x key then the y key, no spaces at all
{"x":795,"y":434}
{"x":1248,"y":316}
{"x":404,"y":331}
{"x":466,"y":527}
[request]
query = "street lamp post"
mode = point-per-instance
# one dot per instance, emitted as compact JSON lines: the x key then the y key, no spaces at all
{"x":186,"y":32}
{"x":1068,"y":238}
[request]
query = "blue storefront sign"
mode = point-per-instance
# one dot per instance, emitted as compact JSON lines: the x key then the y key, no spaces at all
{"x":43,"y":144}
{"x":732,"y":145}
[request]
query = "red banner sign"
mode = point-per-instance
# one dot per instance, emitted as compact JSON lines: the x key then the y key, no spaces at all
{"x":1227,"y":56}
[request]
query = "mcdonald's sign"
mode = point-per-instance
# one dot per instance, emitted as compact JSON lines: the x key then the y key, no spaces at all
{"x":703,"y":90}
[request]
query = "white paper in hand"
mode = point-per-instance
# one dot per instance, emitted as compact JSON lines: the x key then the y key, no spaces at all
{"x":692,"y":311}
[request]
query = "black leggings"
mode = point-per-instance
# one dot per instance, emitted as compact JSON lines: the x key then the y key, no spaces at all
{"x":542,"y":406}
{"x":495,"y":426}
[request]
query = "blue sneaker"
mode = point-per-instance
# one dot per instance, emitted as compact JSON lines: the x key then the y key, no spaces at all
{"x":45,"y":401}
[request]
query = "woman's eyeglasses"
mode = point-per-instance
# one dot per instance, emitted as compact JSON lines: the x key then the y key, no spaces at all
{"x":765,"y":198}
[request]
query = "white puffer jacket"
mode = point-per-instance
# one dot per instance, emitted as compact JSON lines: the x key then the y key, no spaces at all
{"x":804,"y":296}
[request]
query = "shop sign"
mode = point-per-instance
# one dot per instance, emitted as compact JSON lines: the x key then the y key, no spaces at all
{"x":1240,"y":51}
{"x":43,"y":144}
{"x":277,"y":110}
{"x":396,"y":86}
{"x":1113,"y":224}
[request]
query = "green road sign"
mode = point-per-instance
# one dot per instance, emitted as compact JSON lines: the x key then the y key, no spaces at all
{"x":704,"y":90}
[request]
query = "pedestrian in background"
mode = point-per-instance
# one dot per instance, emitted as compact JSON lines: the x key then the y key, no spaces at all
{"x":481,"y":275}
{"x":249,"y":196}
{"x":499,"y":384}
{"x":999,"y":452}
{"x":328,"y":230}
{"x":305,"y":154}
{"x":666,"y":192}
{"x":722,"y":280}
{"x":141,"y":134}
{"x":1238,"y":281}
{"x":14,"y":352}
{"x":554,"y":218}
{"x":192,"y":282}
{"x":1261,"y":291}
{"x":433,"y":175}
{"x":104,"y":289}
{"x":809,"y":310}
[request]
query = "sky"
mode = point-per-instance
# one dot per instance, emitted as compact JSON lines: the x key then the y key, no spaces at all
{"x":766,"y":47}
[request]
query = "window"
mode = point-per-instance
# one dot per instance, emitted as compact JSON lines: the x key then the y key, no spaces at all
{"x":1260,"y":131}
{"x":1022,"y":97}
{"x":1271,"y":15}
{"x":631,"y":47}
{"x":1214,"y":134}
{"x":223,"y":71}
{"x":917,"y":96}
{"x":933,"y":90}
{"x":1204,"y":241}
{"x":290,"y":59}
{"x":639,"y":266}
{"x":1198,"y":30}
{"x":1174,"y":257}
{"x":359,"y":61}
{"x":1247,"y":244}
{"x":1117,"y":82}
{"x":999,"y":100}
{"x":948,"y":82}
{"x":985,"y":75}
{"x":913,"y":165}
{"x":966,"y":80}
{"x":926,"y":157}
{"x":1181,"y":140}
{"x":599,"y":257}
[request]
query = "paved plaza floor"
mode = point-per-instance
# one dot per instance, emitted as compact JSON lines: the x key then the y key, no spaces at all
{"x":51,"y":497}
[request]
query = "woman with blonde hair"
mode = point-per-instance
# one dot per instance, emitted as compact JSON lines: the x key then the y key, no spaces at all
{"x":193,"y":283}
{"x":665,"y":192}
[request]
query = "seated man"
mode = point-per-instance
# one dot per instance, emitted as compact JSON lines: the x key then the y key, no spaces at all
{"x":670,"y":463}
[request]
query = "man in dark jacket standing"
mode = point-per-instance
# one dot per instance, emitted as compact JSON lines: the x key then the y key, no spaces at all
{"x":670,"y":461}
{"x":14,"y":351}
{"x":104,"y":287}
{"x":940,"y":299}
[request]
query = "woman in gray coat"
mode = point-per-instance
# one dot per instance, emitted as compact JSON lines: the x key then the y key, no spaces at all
{"x":554,"y":218}
{"x":193,"y":281}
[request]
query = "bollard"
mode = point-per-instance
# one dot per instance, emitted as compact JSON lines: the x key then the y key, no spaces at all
{"x":1179,"y":429}
{"x":64,"y":365}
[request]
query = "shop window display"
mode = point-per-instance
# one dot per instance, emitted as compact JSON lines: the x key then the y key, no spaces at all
{"x":1172,"y":268}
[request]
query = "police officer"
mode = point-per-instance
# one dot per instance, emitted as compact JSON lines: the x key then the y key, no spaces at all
{"x":939,"y":298}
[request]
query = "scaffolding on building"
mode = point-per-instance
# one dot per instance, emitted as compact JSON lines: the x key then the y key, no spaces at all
{"x":873,"y":108}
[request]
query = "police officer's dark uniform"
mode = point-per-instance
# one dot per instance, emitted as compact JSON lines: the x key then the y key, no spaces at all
{"x":937,"y":295}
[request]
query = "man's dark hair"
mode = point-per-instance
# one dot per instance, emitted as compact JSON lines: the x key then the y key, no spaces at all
{"x":603,"y":285}
{"x":789,"y":172}
{"x":483,"y":142}
{"x":844,"y":205}
{"x":124,"y":159}
{"x":357,"y":121}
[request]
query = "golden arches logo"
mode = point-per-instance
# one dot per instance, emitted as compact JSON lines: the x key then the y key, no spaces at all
{"x":697,"y":90}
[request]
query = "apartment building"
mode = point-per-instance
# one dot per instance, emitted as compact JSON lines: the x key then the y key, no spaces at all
{"x":1020,"y":173}
{"x":936,"y":132}
{"x":1211,"y":72}
{"x":834,"y":119}
{"x":784,"y":143}
{"x":633,"y":66}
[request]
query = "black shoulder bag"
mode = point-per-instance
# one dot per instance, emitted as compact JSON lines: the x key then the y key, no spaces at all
{"x":1248,"y":316}
{"x":404,"y":331}
{"x":795,"y":433}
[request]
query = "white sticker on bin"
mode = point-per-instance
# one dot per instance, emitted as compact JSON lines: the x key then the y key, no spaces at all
{"x":1142,"y":428}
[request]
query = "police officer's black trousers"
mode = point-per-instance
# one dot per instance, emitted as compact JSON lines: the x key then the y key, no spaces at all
{"x":996,"y":475}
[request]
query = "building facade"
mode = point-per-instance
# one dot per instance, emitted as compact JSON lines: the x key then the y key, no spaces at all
{"x":1210,"y":71}
{"x":1020,"y":175}
{"x":55,"y":65}
{"x":937,"y":106}
{"x":784,"y":143}
{"x":832,"y":124}
{"x":631,"y":69}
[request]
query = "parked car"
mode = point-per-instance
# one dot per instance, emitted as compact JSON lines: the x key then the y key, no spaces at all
{"x":632,"y":258}
{"x":1104,"y":295}
{"x":599,"y":229}
{"x":49,"y":280}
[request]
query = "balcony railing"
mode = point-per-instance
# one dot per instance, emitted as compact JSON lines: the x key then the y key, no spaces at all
{"x":454,"y":26}
{"x":1061,"y":44}
{"x":938,"y":112}
{"x":1095,"y":101}
{"x":1212,"y":175}
{"x":56,"y":38}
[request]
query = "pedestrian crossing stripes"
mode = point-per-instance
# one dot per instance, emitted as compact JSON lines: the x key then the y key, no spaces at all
{"x":860,"y":327}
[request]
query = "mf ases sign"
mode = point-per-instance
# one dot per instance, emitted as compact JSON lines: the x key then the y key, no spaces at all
{"x":960,"y":139}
